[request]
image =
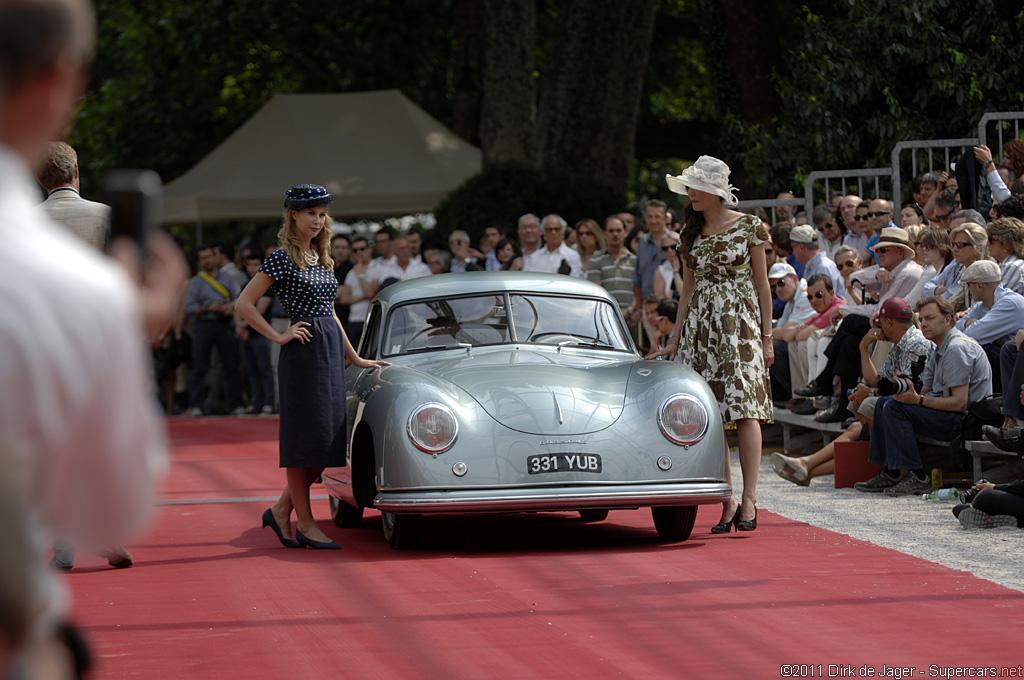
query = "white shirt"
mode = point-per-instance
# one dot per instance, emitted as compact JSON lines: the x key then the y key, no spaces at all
{"x":390,"y":269}
{"x":79,"y":424}
{"x":544,"y":260}
{"x":357,"y":311}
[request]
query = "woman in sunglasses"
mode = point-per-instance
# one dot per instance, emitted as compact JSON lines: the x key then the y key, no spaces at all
{"x":970,"y":244}
{"x":668,"y":277}
{"x":589,"y":240}
{"x":942,"y":273}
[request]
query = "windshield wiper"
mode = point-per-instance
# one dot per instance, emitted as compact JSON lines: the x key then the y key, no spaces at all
{"x":593,"y":345}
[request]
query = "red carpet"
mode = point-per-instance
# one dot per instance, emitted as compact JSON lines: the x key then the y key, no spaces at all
{"x":510,"y":596}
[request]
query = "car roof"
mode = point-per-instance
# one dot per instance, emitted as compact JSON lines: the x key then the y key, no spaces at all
{"x":468,"y":283}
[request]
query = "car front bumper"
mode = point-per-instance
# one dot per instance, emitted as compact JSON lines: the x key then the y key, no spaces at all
{"x":536,"y":499}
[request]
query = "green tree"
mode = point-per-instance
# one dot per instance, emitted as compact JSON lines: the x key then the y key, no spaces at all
{"x":867,"y":74}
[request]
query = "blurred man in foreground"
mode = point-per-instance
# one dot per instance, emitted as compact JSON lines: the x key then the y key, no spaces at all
{"x":82,"y":436}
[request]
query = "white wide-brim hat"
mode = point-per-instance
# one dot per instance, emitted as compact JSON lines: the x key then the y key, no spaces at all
{"x":707,"y":174}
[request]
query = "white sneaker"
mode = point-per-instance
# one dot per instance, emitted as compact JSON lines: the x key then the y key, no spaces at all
{"x":194,"y":412}
{"x":268,"y":410}
{"x":239,"y":411}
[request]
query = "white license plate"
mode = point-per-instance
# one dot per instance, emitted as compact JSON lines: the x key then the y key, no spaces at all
{"x":563,"y":462}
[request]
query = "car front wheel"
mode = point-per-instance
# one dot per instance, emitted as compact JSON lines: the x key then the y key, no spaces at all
{"x":402,"y":531}
{"x":345,"y":516}
{"x":674,"y":523}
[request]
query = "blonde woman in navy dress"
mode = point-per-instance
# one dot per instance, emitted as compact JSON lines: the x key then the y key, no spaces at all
{"x":311,"y":371}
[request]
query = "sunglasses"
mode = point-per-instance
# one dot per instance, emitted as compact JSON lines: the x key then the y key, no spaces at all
{"x":781,"y":283}
{"x":962,"y":244}
{"x":877,"y":214}
{"x":882,"y":251}
{"x":850,"y":264}
{"x":359,"y":249}
{"x":992,"y":240}
{"x":817,"y":296}
{"x":943,"y":218}
{"x":667,"y":248}
{"x":861,"y":218}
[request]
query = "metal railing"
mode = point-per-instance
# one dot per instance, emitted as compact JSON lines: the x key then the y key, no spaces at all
{"x":844,"y":180}
{"x":1003,"y":120}
{"x":925,"y":155}
{"x":951,"y":150}
{"x":769,"y":205}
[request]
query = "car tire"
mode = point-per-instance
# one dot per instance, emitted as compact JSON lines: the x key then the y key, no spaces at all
{"x":593,"y":515}
{"x":402,"y":531}
{"x":345,"y":516}
{"x":674,"y":523}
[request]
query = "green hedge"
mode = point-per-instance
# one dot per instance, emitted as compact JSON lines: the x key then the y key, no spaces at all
{"x":505,"y":191}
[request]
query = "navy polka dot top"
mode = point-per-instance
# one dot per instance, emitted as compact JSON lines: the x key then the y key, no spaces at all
{"x":308,"y":292}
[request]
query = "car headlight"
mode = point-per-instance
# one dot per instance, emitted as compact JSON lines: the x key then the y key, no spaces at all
{"x":683,"y":419}
{"x":433,"y":428}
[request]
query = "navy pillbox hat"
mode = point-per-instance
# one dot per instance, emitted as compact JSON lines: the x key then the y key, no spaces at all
{"x":303,"y":196}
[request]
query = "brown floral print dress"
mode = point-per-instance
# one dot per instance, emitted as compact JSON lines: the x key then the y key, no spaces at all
{"x":721,"y":335}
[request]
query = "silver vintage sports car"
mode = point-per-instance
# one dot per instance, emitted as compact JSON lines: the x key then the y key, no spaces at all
{"x":514,"y":391}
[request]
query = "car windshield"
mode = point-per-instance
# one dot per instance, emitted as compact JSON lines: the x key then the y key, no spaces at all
{"x":485,"y":320}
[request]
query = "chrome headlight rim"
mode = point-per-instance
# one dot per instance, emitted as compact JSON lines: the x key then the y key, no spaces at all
{"x":670,"y":436}
{"x":412,"y":418}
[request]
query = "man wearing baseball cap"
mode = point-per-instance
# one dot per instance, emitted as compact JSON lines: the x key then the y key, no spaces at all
{"x":897,"y":275}
{"x":906,"y":358}
{"x":789,"y":287}
{"x":804,"y":242}
{"x":956,"y":375}
{"x":994,"y":319}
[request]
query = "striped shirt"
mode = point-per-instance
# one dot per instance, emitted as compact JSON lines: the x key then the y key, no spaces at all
{"x":615,"y":275}
{"x":1012,"y":278}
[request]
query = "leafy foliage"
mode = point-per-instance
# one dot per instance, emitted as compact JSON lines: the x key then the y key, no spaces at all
{"x":172,"y":78}
{"x":867,"y":74}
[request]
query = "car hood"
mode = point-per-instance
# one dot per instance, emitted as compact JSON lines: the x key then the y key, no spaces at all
{"x":542,"y":391}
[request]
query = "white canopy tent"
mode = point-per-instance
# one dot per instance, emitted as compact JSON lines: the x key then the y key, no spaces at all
{"x":376,"y":152}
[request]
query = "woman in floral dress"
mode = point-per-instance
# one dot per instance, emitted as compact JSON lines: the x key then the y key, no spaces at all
{"x":724,"y":320}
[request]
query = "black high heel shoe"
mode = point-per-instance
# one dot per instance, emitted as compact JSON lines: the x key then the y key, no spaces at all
{"x":746,"y":524}
{"x":269,"y":521}
{"x":316,"y":545}
{"x":726,"y":526}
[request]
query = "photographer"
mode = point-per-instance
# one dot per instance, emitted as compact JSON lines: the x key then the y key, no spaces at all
{"x":894,"y":323}
{"x":910,"y":351}
{"x":956,"y":375}
{"x":987,"y":506}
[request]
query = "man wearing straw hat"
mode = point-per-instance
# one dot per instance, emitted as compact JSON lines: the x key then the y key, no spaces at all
{"x":896,"y":275}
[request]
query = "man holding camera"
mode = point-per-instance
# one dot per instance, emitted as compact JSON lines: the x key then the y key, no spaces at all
{"x":956,"y":375}
{"x":910,"y":350}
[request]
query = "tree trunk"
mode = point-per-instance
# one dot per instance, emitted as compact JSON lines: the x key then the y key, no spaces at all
{"x":591,"y":91}
{"x":507,"y":103}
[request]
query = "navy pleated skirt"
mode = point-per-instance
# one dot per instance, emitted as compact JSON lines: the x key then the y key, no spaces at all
{"x":311,"y":378}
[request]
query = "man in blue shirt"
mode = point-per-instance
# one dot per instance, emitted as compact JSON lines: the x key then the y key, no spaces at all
{"x":211,"y":298}
{"x":994,"y":319}
{"x":805,"y":248}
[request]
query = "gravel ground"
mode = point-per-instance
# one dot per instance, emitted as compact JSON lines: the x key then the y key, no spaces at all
{"x":925,"y":529}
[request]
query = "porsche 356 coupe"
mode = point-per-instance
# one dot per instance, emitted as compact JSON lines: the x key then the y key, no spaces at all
{"x":515,"y":391}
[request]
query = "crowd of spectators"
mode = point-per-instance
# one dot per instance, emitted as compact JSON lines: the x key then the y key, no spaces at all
{"x":849,"y":287}
{"x":895,"y":331}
